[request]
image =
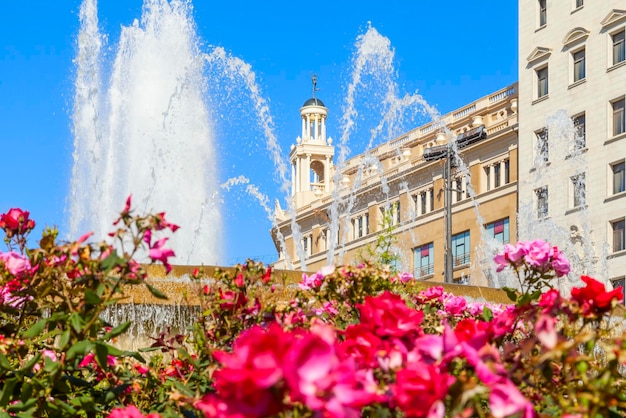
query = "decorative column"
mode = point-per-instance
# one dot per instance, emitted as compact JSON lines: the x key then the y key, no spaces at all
{"x":307,"y":183}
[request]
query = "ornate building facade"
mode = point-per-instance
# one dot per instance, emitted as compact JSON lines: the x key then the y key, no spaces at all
{"x":572,"y":135}
{"x":337,"y":213}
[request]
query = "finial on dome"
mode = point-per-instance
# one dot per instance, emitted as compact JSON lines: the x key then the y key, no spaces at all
{"x":314,"y":82}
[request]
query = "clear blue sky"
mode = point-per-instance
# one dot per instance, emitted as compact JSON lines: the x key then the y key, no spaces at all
{"x":451,"y":52}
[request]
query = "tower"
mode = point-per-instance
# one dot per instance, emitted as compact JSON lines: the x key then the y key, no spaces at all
{"x":312,"y":156}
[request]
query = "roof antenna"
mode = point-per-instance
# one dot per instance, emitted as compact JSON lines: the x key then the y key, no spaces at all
{"x":314,"y":82}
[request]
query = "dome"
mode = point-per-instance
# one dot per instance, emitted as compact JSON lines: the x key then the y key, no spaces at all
{"x":313,"y":101}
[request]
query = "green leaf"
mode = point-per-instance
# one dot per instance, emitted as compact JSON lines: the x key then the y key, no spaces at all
{"x":80,"y":348}
{"x":4,"y":362}
{"x":487,"y":314}
{"x":120,"y":329}
{"x":156,"y":292}
{"x":7,"y":391}
{"x":64,"y":340}
{"x":91,"y":297}
{"x":77,"y":322}
{"x":36,"y":329}
{"x":113,"y":260}
{"x":513,"y":294}
{"x":101,"y":356}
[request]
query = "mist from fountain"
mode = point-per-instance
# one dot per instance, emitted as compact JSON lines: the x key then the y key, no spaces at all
{"x":373,"y":73}
{"x":142,"y":128}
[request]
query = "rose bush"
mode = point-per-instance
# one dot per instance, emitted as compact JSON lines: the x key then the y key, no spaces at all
{"x":347,"y":341}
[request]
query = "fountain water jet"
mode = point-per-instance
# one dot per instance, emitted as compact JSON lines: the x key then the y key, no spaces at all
{"x":145,"y":131}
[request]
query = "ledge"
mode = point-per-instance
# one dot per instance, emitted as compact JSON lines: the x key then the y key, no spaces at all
{"x":616,"y":254}
{"x":616,"y":66}
{"x":541,"y":99}
{"x":615,"y":197}
{"x":577,"y":83}
{"x":576,"y":209}
{"x":615,"y":138}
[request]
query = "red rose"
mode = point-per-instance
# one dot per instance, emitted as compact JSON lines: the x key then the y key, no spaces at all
{"x":420,"y":389}
{"x":594,"y":299}
{"x":387,"y":315}
{"x":16,"y":221}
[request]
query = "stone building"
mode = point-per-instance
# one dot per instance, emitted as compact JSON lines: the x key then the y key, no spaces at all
{"x":572,"y":129}
{"x":339,"y":210}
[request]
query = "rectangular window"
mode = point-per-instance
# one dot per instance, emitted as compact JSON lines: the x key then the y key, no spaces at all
{"x":459,"y":189}
{"x":579,"y":3}
{"x":618,"y":177}
{"x":507,"y":174}
{"x":431,"y":200}
{"x":396,"y":213}
{"x":499,"y":230}
{"x":461,"y":248}
{"x":542,"y":145}
{"x":366,"y":221}
{"x":619,"y":47}
{"x":488,"y":177}
{"x":542,"y":201}
{"x":619,"y":243}
{"x":542,"y":82}
{"x":543,"y":13}
{"x":579,"y":190}
{"x":579,"y":65}
{"x":620,"y":282}
{"x":619,"y":117}
{"x":423,"y":260}
{"x":360,"y":228}
{"x":579,"y":132}
{"x":496,"y":175}
{"x":423,"y":203}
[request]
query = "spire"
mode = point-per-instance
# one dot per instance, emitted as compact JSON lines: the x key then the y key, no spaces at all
{"x":314,"y":82}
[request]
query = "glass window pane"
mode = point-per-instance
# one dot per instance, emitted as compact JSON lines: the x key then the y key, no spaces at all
{"x":619,"y":48}
{"x":619,"y":117}
{"x":579,"y":65}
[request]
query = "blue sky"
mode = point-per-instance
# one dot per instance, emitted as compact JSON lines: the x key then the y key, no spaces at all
{"x":451,"y":52}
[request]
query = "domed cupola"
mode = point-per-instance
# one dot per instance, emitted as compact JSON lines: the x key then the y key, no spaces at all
{"x":313,"y":114}
{"x":311,"y":157}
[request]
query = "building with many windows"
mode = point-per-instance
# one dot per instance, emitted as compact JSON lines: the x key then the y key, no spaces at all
{"x":405,"y":178}
{"x":572,"y":125}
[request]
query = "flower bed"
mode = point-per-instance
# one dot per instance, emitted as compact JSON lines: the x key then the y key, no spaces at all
{"x":352,"y":341}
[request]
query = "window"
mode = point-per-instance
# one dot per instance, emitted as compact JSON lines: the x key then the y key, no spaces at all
{"x":424,"y":201}
{"x":619,"y":47}
{"x":507,"y":174}
{"x":431,"y":195}
{"x":396,"y":213}
{"x":459,"y":189}
{"x":579,"y":132}
{"x":542,"y":145}
{"x":619,"y":243}
{"x":620,"y":282}
{"x":488,"y":176}
{"x":360,"y":226}
{"x":579,"y":65}
{"x":461,"y":248}
{"x":542,"y":201}
{"x":543,"y":15}
{"x":307,"y":243}
{"x":618,"y":177}
{"x":619,"y":117}
{"x":542,"y":82}
{"x":499,"y":230}
{"x":579,"y":190}
{"x":496,"y":175}
{"x":423,"y":260}
{"x":579,"y":3}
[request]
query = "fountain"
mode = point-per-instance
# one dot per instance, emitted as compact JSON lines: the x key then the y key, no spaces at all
{"x":142,"y":127}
